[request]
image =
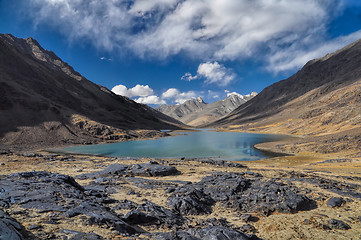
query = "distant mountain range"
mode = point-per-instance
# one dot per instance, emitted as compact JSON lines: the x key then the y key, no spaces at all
{"x":45,"y":102}
{"x":321,"y":102}
{"x":196,"y":112}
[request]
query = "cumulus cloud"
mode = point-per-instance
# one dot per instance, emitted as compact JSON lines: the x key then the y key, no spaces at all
{"x":208,"y":29}
{"x":150,"y":100}
{"x":178,"y":97}
{"x":215,"y":73}
{"x":120,"y":90}
{"x":137,"y":91}
{"x":144,"y":94}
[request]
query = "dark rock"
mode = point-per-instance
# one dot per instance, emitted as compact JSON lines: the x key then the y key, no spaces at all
{"x":234,"y":190}
{"x":247,"y":228}
{"x":335,"y":202}
{"x":162,"y":214}
{"x":48,"y":192}
{"x":151,"y":168}
{"x":218,"y":232}
{"x":86,"y":236}
{"x":214,"y":222}
{"x":11,"y":229}
{"x":152,"y":162}
{"x":146,"y":169}
{"x":126,"y":204}
{"x":222,"y":163}
{"x":271,"y":196}
{"x":149,"y":183}
{"x":137,"y":217}
{"x":5,"y":152}
{"x":34,"y":227}
{"x":112,"y":221}
{"x":191,"y":202}
{"x":221,"y":186}
{"x":131,"y":192}
{"x":338,"y":224}
{"x":170,"y":190}
{"x":215,"y":232}
{"x":249,"y":218}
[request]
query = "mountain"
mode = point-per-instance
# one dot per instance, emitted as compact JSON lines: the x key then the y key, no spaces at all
{"x":181,"y":110}
{"x":196,"y":112}
{"x":45,"y":102}
{"x":321,"y":102}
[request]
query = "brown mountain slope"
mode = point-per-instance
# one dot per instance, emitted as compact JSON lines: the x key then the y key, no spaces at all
{"x":321,"y":102}
{"x":43,"y":101}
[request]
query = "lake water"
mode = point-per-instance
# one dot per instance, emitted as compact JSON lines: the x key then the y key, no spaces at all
{"x":225,"y":145}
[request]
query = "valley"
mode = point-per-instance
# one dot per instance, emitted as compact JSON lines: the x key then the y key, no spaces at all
{"x":308,"y":188}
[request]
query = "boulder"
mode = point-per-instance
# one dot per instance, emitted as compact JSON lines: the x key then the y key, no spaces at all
{"x":338,"y":224}
{"x":335,"y":202}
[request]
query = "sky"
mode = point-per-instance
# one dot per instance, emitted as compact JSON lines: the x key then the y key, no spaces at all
{"x":168,"y":51}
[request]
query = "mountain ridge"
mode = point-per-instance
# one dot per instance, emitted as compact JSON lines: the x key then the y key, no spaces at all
{"x":44,"y":101}
{"x":321,"y":103}
{"x":196,"y":112}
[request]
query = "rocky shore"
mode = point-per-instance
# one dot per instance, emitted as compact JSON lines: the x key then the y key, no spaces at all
{"x":53,"y":196}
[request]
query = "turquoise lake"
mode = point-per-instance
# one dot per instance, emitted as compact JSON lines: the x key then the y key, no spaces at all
{"x":202,"y":144}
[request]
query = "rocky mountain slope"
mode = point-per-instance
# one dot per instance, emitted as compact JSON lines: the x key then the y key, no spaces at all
{"x":195,"y":112}
{"x":321,"y":102}
{"x":44,"y":101}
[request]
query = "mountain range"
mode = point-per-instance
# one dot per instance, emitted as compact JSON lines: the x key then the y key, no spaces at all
{"x":45,"y":102}
{"x":321,"y":103}
{"x":196,"y":112}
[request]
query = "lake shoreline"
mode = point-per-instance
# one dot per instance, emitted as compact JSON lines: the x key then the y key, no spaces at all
{"x":191,"y":170}
{"x":301,"y":173}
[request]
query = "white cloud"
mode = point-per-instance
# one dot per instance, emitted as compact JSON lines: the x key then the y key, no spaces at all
{"x":150,"y":100}
{"x":137,"y":91}
{"x":215,"y":73}
{"x":178,"y":97}
{"x":144,"y":94}
{"x":105,"y":59}
{"x":295,"y":57}
{"x":171,"y":93}
{"x":208,"y":29}
{"x":141,"y":90}
{"x":188,"y":77}
{"x":120,"y":90}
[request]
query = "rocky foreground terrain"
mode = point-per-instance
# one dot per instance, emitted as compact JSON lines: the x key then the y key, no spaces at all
{"x":52,"y":196}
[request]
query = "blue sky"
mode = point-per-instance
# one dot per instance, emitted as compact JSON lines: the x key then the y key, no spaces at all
{"x":167,"y":51}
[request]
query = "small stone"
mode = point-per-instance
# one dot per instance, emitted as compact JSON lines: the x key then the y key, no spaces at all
{"x":338,"y":224}
{"x":34,"y":227}
{"x":306,"y":221}
{"x":247,"y":228}
{"x":335,"y":202}
{"x":246,"y":217}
